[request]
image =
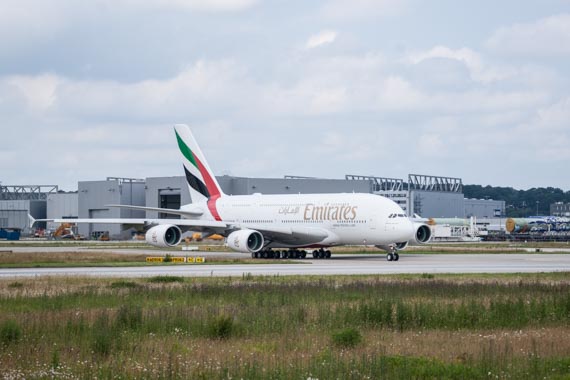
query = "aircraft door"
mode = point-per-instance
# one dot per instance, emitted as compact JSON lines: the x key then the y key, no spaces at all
{"x":373,"y":223}
{"x":391,"y":224}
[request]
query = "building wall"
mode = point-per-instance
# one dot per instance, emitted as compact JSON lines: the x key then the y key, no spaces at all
{"x":132,"y":193}
{"x":14,"y":214}
{"x":484,"y":208}
{"x":243,"y":186}
{"x":157,"y":186}
{"x":61,"y":206}
{"x":93,"y":196}
{"x":560,"y":209}
{"x":433,"y":204}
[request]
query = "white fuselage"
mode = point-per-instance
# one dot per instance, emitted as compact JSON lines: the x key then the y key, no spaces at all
{"x":355,"y":219}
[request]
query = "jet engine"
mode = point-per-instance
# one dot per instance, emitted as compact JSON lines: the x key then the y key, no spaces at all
{"x":247,"y":241}
{"x":164,"y":235}
{"x":422,"y":233}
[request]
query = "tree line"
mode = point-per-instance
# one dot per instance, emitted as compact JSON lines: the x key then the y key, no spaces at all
{"x":520,"y":203}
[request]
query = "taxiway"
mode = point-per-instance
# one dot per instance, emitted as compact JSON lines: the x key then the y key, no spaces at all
{"x":340,"y":264}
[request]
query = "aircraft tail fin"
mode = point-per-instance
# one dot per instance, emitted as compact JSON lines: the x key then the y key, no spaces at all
{"x":201,"y":181}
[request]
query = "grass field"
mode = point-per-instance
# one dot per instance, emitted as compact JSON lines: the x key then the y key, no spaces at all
{"x":422,"y":326}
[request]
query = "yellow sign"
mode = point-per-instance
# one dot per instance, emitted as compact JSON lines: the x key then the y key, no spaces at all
{"x":175,"y":260}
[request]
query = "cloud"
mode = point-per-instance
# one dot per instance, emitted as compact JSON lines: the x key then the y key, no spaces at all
{"x":322,"y":38}
{"x":343,"y":10}
{"x":478,"y":70}
{"x":194,"y":5}
{"x":25,"y":22}
{"x":38,"y":91}
{"x":547,"y":37}
{"x":356,"y":109}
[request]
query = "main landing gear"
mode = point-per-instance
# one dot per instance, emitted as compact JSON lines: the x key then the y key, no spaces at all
{"x":392,"y":255}
{"x":321,"y":254}
{"x":290,"y":254}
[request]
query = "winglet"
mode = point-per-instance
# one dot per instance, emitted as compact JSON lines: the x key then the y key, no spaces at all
{"x":31,"y":220}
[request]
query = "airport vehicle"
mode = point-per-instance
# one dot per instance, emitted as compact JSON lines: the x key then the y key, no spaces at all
{"x":276,"y":226}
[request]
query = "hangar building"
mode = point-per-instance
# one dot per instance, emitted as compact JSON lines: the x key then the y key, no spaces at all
{"x":94,"y":196}
{"x":17,"y":202}
{"x":428,"y":196}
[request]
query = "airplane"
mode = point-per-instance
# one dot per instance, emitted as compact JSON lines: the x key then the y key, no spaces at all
{"x":274,"y":226}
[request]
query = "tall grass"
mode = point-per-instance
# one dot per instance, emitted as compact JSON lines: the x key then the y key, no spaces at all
{"x":256,"y":327}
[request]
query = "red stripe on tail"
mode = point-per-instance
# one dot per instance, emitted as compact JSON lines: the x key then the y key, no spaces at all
{"x":212,"y":189}
{"x":212,"y":207}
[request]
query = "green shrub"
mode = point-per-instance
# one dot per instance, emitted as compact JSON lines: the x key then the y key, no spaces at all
{"x":130,"y":317}
{"x":221,"y":327}
{"x":166,"y":279}
{"x":347,"y":338}
{"x":102,"y":336}
{"x":10,"y":332}
{"x":124,"y":284}
{"x":55,"y":363}
{"x":167,"y":258}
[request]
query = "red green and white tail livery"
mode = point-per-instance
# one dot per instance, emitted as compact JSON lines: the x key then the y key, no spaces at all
{"x":202,"y":183}
{"x":275,"y":226}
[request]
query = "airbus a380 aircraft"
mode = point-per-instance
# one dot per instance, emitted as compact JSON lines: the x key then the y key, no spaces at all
{"x":263,"y":224}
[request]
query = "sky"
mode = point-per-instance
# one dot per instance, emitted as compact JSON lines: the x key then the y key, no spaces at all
{"x":475,"y":90}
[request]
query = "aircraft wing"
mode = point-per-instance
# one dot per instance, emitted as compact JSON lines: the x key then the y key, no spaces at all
{"x":189,"y":223}
{"x":285,"y":235}
{"x":196,"y":211}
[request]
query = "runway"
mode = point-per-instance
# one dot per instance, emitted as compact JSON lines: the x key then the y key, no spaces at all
{"x":338,"y":265}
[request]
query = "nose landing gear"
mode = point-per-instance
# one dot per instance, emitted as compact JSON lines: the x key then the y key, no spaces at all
{"x":392,"y":254}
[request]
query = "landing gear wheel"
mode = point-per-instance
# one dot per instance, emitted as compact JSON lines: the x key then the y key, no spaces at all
{"x":389,"y":257}
{"x":315,"y":254}
{"x":303,"y":254}
{"x":321,"y":254}
{"x":396,"y":257}
{"x":328,"y":254}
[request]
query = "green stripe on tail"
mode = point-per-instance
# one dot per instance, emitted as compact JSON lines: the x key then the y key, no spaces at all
{"x":186,"y":152}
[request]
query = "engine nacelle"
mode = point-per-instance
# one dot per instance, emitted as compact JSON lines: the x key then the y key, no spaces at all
{"x":247,"y":241}
{"x":422,"y":233}
{"x":164,"y":235}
